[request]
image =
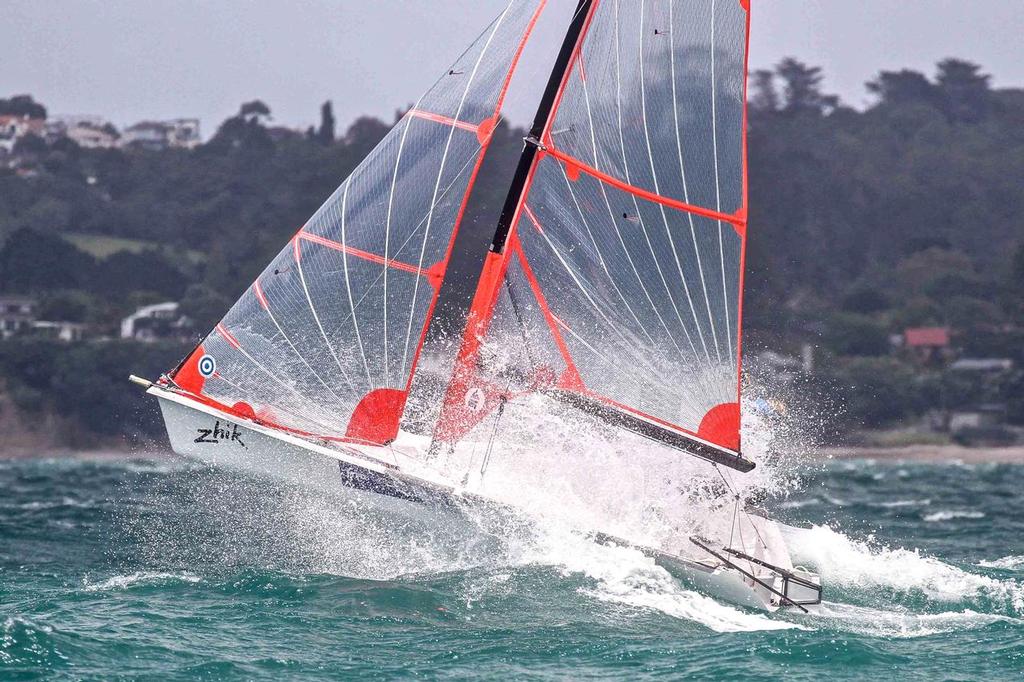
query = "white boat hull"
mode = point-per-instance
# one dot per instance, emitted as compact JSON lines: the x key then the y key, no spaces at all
{"x":205,"y":434}
{"x":363,"y":475}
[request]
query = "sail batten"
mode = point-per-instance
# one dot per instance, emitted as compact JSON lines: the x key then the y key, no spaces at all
{"x":737,"y":220}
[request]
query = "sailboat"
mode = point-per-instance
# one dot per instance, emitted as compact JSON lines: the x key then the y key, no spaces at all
{"x":606,"y":315}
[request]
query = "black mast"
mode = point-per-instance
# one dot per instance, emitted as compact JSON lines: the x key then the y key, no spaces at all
{"x":532,"y":141}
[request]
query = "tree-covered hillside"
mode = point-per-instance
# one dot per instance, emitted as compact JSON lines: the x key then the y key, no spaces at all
{"x":862,"y":223}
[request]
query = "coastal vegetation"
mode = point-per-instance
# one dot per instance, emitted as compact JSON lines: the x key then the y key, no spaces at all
{"x":863,"y":224}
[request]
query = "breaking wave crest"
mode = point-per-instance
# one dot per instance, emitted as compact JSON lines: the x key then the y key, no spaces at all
{"x":1007,"y":563}
{"x":625,"y":576}
{"x":901,"y":576}
{"x":120,"y":582}
{"x":949,"y":515}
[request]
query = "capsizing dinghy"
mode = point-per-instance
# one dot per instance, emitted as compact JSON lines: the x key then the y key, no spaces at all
{"x":606,"y":314}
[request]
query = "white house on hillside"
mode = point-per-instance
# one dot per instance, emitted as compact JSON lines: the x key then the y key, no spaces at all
{"x":17,"y":313}
{"x":157,"y":321}
{"x":92,"y":137}
{"x":157,"y":135}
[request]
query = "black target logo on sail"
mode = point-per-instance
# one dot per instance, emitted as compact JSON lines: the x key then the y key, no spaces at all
{"x":220,"y":433}
{"x":207,"y":366}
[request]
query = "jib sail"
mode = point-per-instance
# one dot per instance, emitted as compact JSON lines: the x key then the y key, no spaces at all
{"x":326,"y":340}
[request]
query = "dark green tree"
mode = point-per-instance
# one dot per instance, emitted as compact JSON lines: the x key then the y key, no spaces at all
{"x":255,"y":110}
{"x":69,"y":306}
{"x":365,"y":132}
{"x":866,"y":301}
{"x":245,"y":131}
{"x":965,"y":90}
{"x":325,"y":133}
{"x":32,"y":261}
{"x":30,"y":145}
{"x":903,"y":87}
{"x":802,"y":88}
{"x":204,"y":306}
{"x":147,"y":271}
{"x":764,"y":95}
{"x":22,"y":105}
{"x":853,"y":334}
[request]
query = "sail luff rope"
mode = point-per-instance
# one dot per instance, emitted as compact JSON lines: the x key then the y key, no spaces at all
{"x":486,"y":137}
{"x":394,"y":179}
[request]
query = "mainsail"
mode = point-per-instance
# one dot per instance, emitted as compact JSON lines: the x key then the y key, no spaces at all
{"x":625,"y":228}
{"x":326,"y":340}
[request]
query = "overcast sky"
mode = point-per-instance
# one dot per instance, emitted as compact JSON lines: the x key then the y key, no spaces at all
{"x":134,"y":59}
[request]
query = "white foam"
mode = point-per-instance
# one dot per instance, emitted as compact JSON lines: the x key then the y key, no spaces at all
{"x":625,"y":576}
{"x":1010,"y":563}
{"x":949,"y":515}
{"x":845,"y":562}
{"x":37,"y":505}
{"x":800,"y":504}
{"x":896,"y":504}
{"x":120,"y":582}
{"x":898,"y":623}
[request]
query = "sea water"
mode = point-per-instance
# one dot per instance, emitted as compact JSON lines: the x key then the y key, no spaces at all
{"x":160,"y":569}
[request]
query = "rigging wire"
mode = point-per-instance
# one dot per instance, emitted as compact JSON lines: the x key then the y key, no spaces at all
{"x":494,"y":431}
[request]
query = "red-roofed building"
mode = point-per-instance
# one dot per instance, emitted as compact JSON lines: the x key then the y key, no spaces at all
{"x":926,"y":337}
{"x":928,"y":343}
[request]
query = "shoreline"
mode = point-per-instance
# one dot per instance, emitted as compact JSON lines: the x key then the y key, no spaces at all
{"x":909,"y":453}
{"x":100,"y":453}
{"x":1013,"y":454}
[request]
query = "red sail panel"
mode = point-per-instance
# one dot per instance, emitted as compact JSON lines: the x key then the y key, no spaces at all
{"x":327,"y":339}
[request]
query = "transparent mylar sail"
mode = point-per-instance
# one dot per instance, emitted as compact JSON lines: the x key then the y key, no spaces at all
{"x":630,"y":229}
{"x":326,"y":339}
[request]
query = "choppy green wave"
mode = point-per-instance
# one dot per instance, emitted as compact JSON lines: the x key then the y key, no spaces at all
{"x":159,"y":570}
